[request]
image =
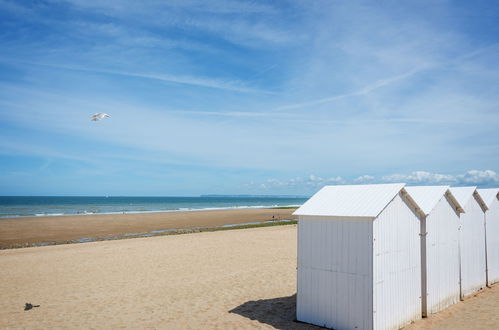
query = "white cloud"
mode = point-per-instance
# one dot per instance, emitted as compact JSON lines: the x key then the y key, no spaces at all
{"x":364,"y":179}
{"x":472,"y":177}
{"x":312,"y":182}
{"x":420,"y":177}
{"x":478,"y":177}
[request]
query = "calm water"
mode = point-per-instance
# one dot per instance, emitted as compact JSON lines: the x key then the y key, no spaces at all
{"x":14,"y":206}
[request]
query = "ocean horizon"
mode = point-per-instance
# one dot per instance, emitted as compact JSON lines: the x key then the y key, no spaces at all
{"x":28,"y":206}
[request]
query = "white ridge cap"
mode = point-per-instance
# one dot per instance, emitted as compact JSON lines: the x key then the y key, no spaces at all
{"x":488,"y":195}
{"x":350,"y":200}
{"x":462,"y":194}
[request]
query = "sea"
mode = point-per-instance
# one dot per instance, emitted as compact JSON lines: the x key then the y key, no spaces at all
{"x":28,"y":206}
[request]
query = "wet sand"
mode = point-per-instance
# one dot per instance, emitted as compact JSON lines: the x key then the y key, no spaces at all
{"x":16,"y":231}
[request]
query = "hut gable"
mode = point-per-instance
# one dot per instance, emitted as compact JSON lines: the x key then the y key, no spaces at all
{"x":427,"y":197}
{"x":350,"y":200}
{"x":464,"y":194}
{"x":488,"y":195}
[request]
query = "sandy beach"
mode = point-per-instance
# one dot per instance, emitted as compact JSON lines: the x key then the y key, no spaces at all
{"x":213,"y":280}
{"x":231,"y":279}
{"x":62,"y":228}
{"x":479,"y":311}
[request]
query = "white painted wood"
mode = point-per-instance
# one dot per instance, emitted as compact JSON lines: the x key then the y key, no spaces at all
{"x":442,"y":256}
{"x":440,"y":249}
{"x":348,"y":280}
{"x":492,"y":227}
{"x":472,"y":237}
{"x":397,"y":272}
{"x":335,"y":272}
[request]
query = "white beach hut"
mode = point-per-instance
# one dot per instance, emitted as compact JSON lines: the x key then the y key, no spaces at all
{"x":359,"y":258}
{"x":472,"y":240}
{"x":491,"y":199}
{"x":439,"y":246}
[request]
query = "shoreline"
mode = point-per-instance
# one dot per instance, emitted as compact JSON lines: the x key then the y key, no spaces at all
{"x":54,"y":230}
{"x":222,"y":208}
{"x":155,"y":233}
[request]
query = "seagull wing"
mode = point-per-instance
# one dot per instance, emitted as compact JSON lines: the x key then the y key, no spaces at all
{"x":99,"y":116}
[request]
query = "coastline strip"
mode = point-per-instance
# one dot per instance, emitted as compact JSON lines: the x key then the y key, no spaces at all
{"x":36,"y":231}
{"x":157,"y":233}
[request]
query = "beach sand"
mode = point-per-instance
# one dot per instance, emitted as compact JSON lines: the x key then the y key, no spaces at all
{"x":64,"y":228}
{"x":236,"y":279}
{"x":231,"y":279}
{"x":477,"y":312}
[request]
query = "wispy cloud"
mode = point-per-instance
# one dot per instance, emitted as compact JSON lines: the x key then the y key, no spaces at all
{"x":392,"y":80}
{"x":236,"y":86}
{"x":122,"y":7}
{"x":224,"y":18}
{"x":360,"y":92}
{"x":352,"y":92}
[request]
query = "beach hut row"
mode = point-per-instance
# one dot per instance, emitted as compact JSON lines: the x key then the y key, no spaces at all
{"x":381,"y":256}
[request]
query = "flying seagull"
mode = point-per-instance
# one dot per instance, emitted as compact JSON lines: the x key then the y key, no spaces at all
{"x":99,"y":116}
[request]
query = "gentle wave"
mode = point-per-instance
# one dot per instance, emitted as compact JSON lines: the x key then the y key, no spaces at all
{"x":181,"y":209}
{"x":48,"y":214}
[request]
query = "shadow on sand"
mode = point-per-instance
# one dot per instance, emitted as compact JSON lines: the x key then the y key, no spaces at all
{"x":277,"y":312}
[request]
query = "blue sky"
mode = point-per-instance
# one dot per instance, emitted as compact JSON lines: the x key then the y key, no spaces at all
{"x":249,"y":97}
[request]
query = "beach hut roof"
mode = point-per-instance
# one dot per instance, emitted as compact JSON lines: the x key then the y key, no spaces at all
{"x":488,"y":195}
{"x":463,"y":195}
{"x":427,"y":197}
{"x":350,"y":200}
